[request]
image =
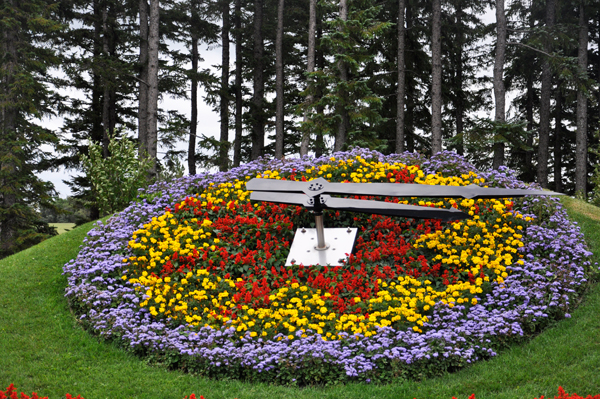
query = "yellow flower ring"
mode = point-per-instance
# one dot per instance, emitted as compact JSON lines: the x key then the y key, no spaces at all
{"x":216,"y":260}
{"x":193,"y":274}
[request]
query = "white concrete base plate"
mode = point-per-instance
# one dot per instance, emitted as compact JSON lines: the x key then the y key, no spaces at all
{"x":339,"y":241}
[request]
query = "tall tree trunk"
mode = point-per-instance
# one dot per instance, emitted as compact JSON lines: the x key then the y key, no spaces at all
{"x":237,"y":144}
{"x":112,"y":92}
{"x":460,"y":108}
{"x":528,"y":157}
{"x":557,"y":142}
{"x":194,"y":92}
{"x":279,"y":116}
{"x":97,"y":78}
{"x":258,"y":126}
{"x":143,"y":84}
{"x":153,"y":42}
{"x":542,"y":158}
{"x":97,"y":91}
{"x":597,"y":117}
{"x":499,"y":91}
{"x":529,"y":175}
{"x":310,"y":68}
{"x":320,"y":65}
{"x":341,"y":136}
{"x":400,"y":93}
{"x":581,"y":138}
{"x":112,"y":110}
{"x":224,"y":137}
{"x":106,"y":82}
{"x":194,"y":111}
{"x":410,"y":91}
{"x":436,"y":78}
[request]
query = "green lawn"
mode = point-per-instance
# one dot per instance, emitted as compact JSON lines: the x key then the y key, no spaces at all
{"x":62,"y":227}
{"x":43,"y":349}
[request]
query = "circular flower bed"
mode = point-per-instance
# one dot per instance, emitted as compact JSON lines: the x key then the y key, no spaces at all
{"x":193,"y":275}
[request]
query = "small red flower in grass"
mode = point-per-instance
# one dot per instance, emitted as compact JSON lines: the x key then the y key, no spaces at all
{"x":563,"y":395}
{"x":11,"y":393}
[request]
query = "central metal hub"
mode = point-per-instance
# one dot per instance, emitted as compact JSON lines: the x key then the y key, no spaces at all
{"x":315,"y":187}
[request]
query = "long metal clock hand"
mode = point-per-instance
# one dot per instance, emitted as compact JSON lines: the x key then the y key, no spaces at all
{"x":392,"y":209}
{"x":321,"y":186}
{"x":362,"y":206}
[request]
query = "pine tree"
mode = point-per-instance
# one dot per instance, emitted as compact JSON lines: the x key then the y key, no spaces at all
{"x":310,"y":68}
{"x":581,"y":142}
{"x":189,"y":23}
{"x":256,"y":92}
{"x":534,"y":48}
{"x":25,"y":28}
{"x":401,"y":90}
{"x":279,"y":96}
{"x":352,"y":110}
{"x":258,"y":83}
{"x":195,"y":57}
{"x":417,"y":77}
{"x":97,"y":63}
{"x":237,"y":143}
{"x":223,"y":159}
{"x":462,"y":58}
{"x":522,"y":73}
{"x":544,"y":138}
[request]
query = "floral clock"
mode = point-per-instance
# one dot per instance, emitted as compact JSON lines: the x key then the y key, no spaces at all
{"x":193,"y":275}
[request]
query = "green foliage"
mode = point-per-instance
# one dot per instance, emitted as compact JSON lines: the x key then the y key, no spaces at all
{"x":480,"y":139}
{"x":22,"y":193}
{"x":69,"y":210}
{"x":170,"y":168}
{"x":595,"y":199}
{"x":349,"y":42}
{"x":209,"y":148}
{"x":26,"y":28}
{"x":174,"y":129}
{"x":116,"y":178}
{"x":100,"y":50}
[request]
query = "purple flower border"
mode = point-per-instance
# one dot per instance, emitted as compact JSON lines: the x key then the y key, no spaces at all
{"x":540,"y":290}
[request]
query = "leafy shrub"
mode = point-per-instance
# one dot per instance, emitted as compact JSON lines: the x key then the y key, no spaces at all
{"x":116,"y":178}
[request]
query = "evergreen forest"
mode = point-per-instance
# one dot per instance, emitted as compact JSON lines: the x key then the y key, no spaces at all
{"x":503,"y":83}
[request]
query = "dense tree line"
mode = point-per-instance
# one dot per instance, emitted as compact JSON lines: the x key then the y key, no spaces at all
{"x":308,"y":76}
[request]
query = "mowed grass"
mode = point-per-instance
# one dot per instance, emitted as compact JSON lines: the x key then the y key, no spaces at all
{"x":43,"y":349}
{"x":62,"y":227}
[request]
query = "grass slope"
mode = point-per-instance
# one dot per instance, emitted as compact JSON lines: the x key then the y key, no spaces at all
{"x":43,"y":349}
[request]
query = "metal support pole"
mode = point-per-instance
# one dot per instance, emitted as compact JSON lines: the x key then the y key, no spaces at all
{"x":320,"y":232}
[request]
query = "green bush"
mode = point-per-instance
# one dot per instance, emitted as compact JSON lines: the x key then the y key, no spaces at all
{"x":116,"y":178}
